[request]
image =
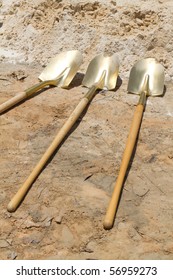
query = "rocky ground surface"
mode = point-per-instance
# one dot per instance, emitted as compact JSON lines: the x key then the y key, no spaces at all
{"x":62,"y":215}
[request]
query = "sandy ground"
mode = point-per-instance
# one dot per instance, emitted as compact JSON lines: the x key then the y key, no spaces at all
{"x":62,"y":215}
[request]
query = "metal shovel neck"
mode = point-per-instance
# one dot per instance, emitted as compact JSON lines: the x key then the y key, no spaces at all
{"x":99,"y":84}
{"x":144,"y":91}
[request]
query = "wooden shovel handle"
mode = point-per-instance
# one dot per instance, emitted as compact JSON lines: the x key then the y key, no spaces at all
{"x":19,"y":196}
{"x":111,"y":211}
{"x":23,"y":95}
{"x":13,"y":101}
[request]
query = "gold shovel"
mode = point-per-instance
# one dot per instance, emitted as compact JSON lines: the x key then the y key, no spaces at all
{"x":59,"y":72}
{"x":102,"y":73}
{"x":146,"y":78}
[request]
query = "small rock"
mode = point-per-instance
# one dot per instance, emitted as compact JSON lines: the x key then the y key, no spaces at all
{"x":89,"y":7}
{"x":140,"y":36}
{"x":139,"y":22}
{"x":90,"y":247}
{"x":58,"y":219}
{"x":126,"y":12}
{"x":31,"y":224}
{"x":39,"y":13}
{"x":18,"y":75}
{"x":127,"y":28}
{"x":47,"y":222}
{"x":12,"y":256}
{"x":3,"y":243}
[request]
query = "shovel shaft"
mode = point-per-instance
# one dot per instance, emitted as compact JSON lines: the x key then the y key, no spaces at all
{"x":23,"y":95}
{"x":17,"y":199}
{"x":112,"y":208}
{"x":11,"y":102}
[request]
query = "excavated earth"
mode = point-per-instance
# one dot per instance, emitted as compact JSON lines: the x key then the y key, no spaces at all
{"x":62,"y":215}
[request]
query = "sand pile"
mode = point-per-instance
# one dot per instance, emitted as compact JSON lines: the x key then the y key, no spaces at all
{"x":34,"y":31}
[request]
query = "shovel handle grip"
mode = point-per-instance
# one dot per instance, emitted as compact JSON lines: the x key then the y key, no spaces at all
{"x":19,"y":196}
{"x":131,"y":140}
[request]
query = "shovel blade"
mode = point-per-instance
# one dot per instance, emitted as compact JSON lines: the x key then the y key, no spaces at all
{"x":62,"y":67}
{"x":138,"y":73}
{"x":102,"y":68}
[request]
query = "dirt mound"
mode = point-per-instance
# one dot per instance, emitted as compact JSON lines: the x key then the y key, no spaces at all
{"x":35,"y":31}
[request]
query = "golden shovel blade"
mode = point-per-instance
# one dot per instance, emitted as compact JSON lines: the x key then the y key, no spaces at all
{"x":62,"y":68}
{"x":143,"y":68}
{"x":102,"y":71}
